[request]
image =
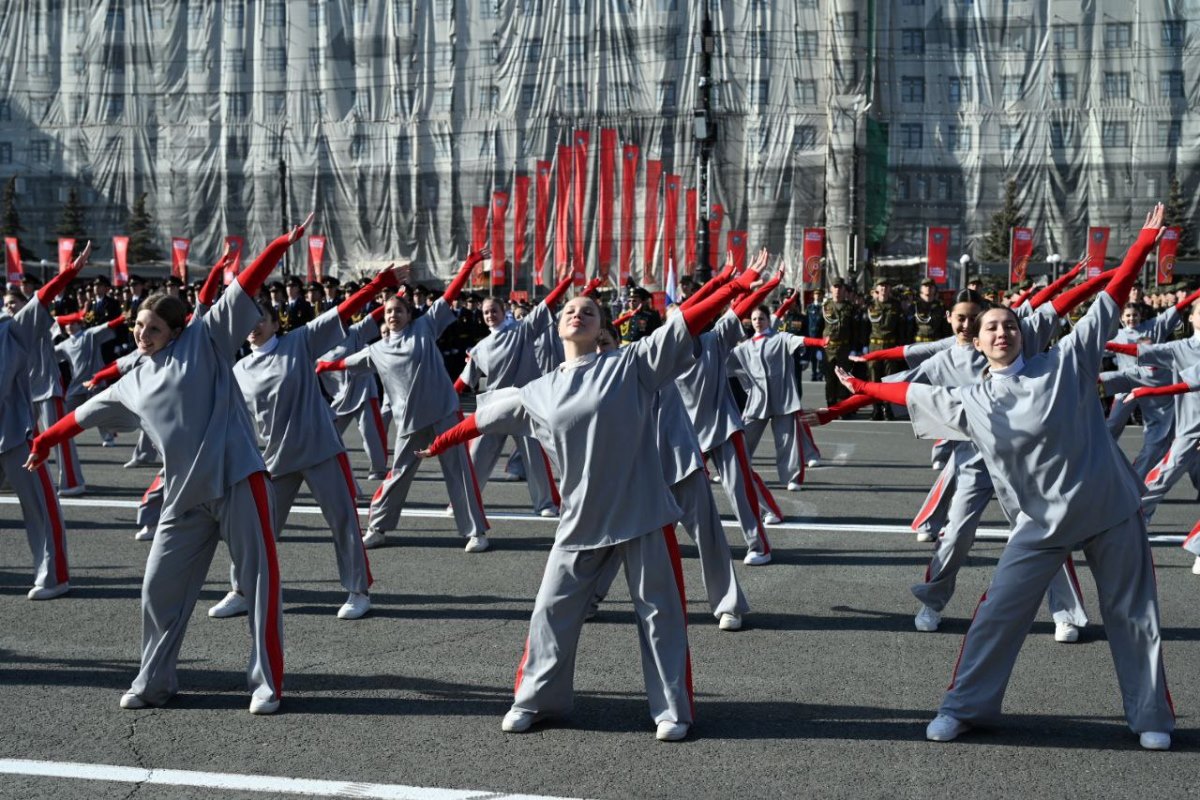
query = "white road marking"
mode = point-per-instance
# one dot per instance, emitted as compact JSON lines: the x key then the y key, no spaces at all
{"x":248,"y":783}
{"x":812,"y":526}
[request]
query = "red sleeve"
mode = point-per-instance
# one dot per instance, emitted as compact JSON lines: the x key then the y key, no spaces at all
{"x":1021,"y":298}
{"x":55,"y":286}
{"x":1130,"y":349}
{"x":69,"y":319}
{"x":699,"y":315}
{"x":1045,"y":295}
{"x":111,"y":372}
{"x":355,"y":302}
{"x":887,"y":392}
{"x":331,"y":366}
{"x":212,"y":284}
{"x":460,"y":385}
{"x":621,"y":320}
{"x":1066,"y":302}
{"x":843,"y":408}
{"x":119,"y":322}
{"x":254,"y":276}
{"x":461,"y":433}
{"x":1183,"y":304}
{"x":1162,"y":391}
{"x":558,"y":292}
{"x":1126,"y":274}
{"x":460,"y":280}
{"x":66,"y":428}
{"x":890,"y":354}
{"x":747,"y":304}
{"x":592,"y":286}
{"x":810,"y":341}
{"x":786,"y":305}
{"x":377,"y":314}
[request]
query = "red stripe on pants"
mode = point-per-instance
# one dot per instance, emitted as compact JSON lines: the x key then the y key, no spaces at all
{"x":154,"y":484}
{"x":377,"y":416}
{"x":64,"y":449}
{"x":61,"y":573}
{"x":930,"y":504}
{"x":677,"y":568}
{"x":258,"y":488}
{"x":1154,"y":473}
{"x":521,"y":667}
{"x":748,"y":477}
{"x":554,"y":495}
{"x":958,"y":661}
{"x":811,"y":438}
{"x":344,"y":463}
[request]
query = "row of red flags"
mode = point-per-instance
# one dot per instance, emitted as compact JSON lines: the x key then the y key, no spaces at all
{"x":180,"y":248}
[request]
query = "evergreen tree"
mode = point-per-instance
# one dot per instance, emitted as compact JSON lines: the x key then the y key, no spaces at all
{"x":141,"y":233}
{"x":70,"y":224}
{"x":10,"y":218}
{"x":998,"y":239}
{"x":1175,"y":215}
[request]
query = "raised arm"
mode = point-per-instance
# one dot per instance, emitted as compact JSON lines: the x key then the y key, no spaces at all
{"x":254,"y":276}
{"x":1052,"y":289}
{"x":504,"y":414}
{"x":464,"y":273}
{"x":1126,"y":274}
{"x":718,"y":280}
{"x":1160,"y":391}
{"x":558,"y":292}
{"x":56,"y":285}
{"x":388,"y":278}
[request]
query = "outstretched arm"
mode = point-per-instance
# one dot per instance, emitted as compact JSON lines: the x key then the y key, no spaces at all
{"x":39,"y":450}
{"x":890,"y":354}
{"x":1159,"y":391}
{"x":56,"y":285}
{"x":558,"y":292}
{"x":1047,"y":294}
{"x":887,"y":392}
{"x":1125,"y":275}
{"x":823,"y":416}
{"x":464,"y":273}
{"x":387,"y":279}
{"x":253,"y":277}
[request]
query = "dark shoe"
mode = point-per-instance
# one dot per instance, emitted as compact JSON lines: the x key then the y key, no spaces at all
{"x":877,"y":416}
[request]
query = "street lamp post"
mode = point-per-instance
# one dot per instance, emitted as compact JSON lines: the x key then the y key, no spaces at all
{"x":964,"y":261}
{"x":1055,"y":259}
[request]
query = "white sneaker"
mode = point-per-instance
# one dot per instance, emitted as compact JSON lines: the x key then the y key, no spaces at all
{"x":927,"y":619}
{"x":714,"y":478}
{"x":449,"y":511}
{"x":377,"y":475}
{"x":144,"y":535}
{"x":756,"y":559}
{"x":548,"y":512}
{"x":793,"y":486}
{"x":945,"y":728}
{"x":1196,"y":566}
{"x":517,"y":721}
{"x":373,"y":538}
{"x":1065,"y":632}
{"x":814,"y":462}
{"x":356,"y":605}
{"x":231,"y":605}
{"x":49,"y":592}
{"x":939,"y":465}
{"x":1154,"y":740}
{"x":730,"y":622}
{"x":108,"y":441}
{"x":137,"y":462}
{"x":131,"y":701}
{"x":771,"y":518}
{"x":671,"y":731}
{"x":260,"y":706}
{"x":926,"y":536}
{"x":477,"y":544}
{"x":73,"y":491}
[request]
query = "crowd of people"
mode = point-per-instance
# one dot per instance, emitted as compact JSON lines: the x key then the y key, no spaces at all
{"x":240,"y":393}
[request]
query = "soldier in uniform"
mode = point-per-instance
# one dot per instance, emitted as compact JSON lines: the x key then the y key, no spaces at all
{"x":837,"y":316}
{"x":815,"y":327}
{"x":296,"y":312}
{"x":929,"y":314}
{"x":645,"y":319}
{"x":333,"y":295}
{"x":886,"y":322}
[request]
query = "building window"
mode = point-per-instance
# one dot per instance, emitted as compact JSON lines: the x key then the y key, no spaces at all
{"x":1170,"y":85}
{"x":1010,"y":89}
{"x":316,"y":104}
{"x":5,"y":153}
{"x":1009,"y":136}
{"x":1170,"y":132}
{"x":78,"y":106}
{"x":966,"y":37}
{"x":533,"y":49}
{"x":316,"y":13}
{"x":276,"y":102}
{"x":236,"y":104}
{"x":196,"y":60}
{"x":577,"y":96}
{"x":39,"y":65}
{"x":1015,"y":36}
{"x":1173,"y":32}
{"x":195,"y":13}
{"x":1064,"y":37}
{"x":945,"y":188}
{"x":912,"y":41}
{"x":78,"y":63}
{"x":5,"y":111}
{"x":576,"y":48}
{"x":912,"y":135}
{"x":444,"y":9}
{"x":761,"y":92}
{"x":403,"y":149}
{"x":235,"y":14}
{"x":806,"y":44}
{"x":1065,"y":87}
{"x":114,"y":20}
{"x":806,"y":93}
{"x":277,"y":59}
{"x":1061,"y":134}
{"x":489,"y":98}
{"x":39,"y":152}
{"x":1118,"y":35}
{"x":443,"y":100}
{"x":235,"y":60}
{"x":1116,"y":85}
{"x":275,"y":13}
{"x":958,"y":138}
{"x":358,"y":143}
{"x":1114,"y":134}
{"x":401,"y":9}
{"x":959,"y":90}
{"x":316,"y":58}
{"x":912,"y":89}
{"x":846,"y":71}
{"x":903,"y":191}
{"x":236,"y":147}
{"x":529,"y":93}
{"x":531,"y":7}
{"x":805,"y":137}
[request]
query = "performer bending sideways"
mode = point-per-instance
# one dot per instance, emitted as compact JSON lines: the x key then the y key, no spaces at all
{"x":1042,"y":434}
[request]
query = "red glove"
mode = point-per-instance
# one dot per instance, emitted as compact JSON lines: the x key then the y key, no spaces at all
{"x":39,"y":449}
{"x":377,"y":314}
{"x":839,"y":410}
{"x":111,"y":372}
{"x":621,"y":320}
{"x":254,"y":276}
{"x":786,"y":305}
{"x":55,"y":286}
{"x":464,"y":273}
{"x":1126,"y":274}
{"x":461,"y":433}
{"x":558,"y":292}
{"x":592,"y":286}
{"x":747,"y":304}
{"x":114,"y":324}
{"x":1016,"y":303}
{"x":331,"y":366}
{"x":69,"y":319}
{"x":887,"y":392}
{"x":352,"y":304}
{"x":1183,"y":304}
{"x":1066,"y":302}
{"x":719,"y":280}
{"x":212,"y":284}
{"x":1162,"y":391}
{"x":460,"y":385}
{"x":1130,"y":349}
{"x":890,"y":354}
{"x":810,"y":341}
{"x":699,"y":315}
{"x":1045,"y":295}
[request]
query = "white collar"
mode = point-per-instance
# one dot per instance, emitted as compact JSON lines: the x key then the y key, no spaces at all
{"x":577,"y":363}
{"x":1012,"y":370}
{"x":267,"y":348}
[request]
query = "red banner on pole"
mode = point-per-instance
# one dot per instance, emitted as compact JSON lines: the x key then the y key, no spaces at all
{"x":1020,"y":250}
{"x":1097,"y":251}
{"x":604,"y":214}
{"x":179,"y":257}
{"x":562,"y":204}
{"x":581,"y":140}
{"x":671,"y":223}
{"x":937,"y":253}
{"x":541,"y":221}
{"x":520,"y":223}
{"x":690,"y":212}
{"x":316,"y":258}
{"x":232,"y":269}
{"x":12,"y":258}
{"x":1168,"y":245}
{"x":479,"y":239}
{"x":66,"y":249}
{"x":629,"y":163}
{"x":716,"y":256}
{"x":120,"y":264}
{"x":737,"y":246}
{"x":499,"y":248}
{"x":812,"y":252}
{"x":653,"y":178}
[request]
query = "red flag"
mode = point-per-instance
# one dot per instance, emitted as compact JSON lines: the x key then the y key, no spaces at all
{"x":629,"y":162}
{"x":12,"y":256}
{"x":499,"y":249}
{"x":811,"y":253}
{"x":608,"y":166}
{"x":581,"y":147}
{"x":520,"y":223}
{"x":66,"y":249}
{"x":671,"y":222}
{"x":316,"y":258}
{"x":690,"y":212}
{"x":479,"y":238}
{"x":179,"y":257}
{"x":1018,"y":255}
{"x":1097,"y":249}
{"x":120,"y":260}
{"x":1167,"y":247}
{"x":937,"y":251}
{"x":715,"y":255}
{"x":541,"y":221}
{"x":234,"y":267}
{"x":653,"y":177}
{"x":737,"y":246}
{"x":562,"y":204}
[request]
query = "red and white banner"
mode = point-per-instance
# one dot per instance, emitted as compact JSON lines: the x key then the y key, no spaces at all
{"x":653,"y":178}
{"x":12,"y":258}
{"x":1097,"y":251}
{"x":233,"y":268}
{"x":737,"y":246}
{"x":812,"y":252}
{"x":581,"y":140}
{"x":671,"y":222}
{"x":604,"y":214}
{"x":1168,"y":245}
{"x":629,"y":165}
{"x":937,"y":254}
{"x":716,"y":256}
{"x":66,"y":248}
{"x":541,"y":221}
{"x":316,"y":258}
{"x":179,"y":257}
{"x":479,"y":239}
{"x":691,"y":213}
{"x":1019,"y":253}
{"x":499,"y":245}
{"x":120,"y":265}
{"x":520,"y":224}
{"x":562,"y":205}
